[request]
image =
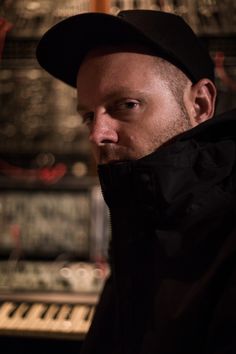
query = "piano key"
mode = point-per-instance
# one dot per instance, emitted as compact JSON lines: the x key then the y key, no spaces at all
{"x":13,"y":310}
{"x":72,"y":317}
{"x":86,"y":323}
{"x":5,"y":309}
{"x":45,"y":323}
{"x":30,"y":320}
{"x":36,"y":311}
{"x":12,"y":321}
{"x":77,"y":317}
{"x":48,"y":320}
{"x":61,"y":320}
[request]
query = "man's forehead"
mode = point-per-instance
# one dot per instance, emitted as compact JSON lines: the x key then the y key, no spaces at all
{"x":104,"y":49}
{"x":112,"y":58}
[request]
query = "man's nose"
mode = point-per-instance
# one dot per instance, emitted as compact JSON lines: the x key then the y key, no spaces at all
{"x":103,"y":130}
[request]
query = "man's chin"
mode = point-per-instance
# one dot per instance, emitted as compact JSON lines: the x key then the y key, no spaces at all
{"x":113,"y":162}
{"x":119,"y":157}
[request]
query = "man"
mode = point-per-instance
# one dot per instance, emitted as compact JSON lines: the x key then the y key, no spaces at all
{"x":167,"y":171}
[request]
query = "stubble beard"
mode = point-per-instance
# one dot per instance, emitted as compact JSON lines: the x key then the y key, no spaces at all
{"x":111,"y":153}
{"x":181,"y":124}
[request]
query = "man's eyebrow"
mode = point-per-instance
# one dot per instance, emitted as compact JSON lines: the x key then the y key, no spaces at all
{"x":122,"y":92}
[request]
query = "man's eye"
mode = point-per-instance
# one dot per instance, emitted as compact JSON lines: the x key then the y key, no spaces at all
{"x":129,"y":104}
{"x":125,"y":106}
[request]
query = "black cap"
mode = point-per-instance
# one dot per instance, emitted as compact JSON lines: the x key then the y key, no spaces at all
{"x":63,"y":47}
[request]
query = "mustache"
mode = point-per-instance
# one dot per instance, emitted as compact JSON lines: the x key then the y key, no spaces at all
{"x":108,"y":154}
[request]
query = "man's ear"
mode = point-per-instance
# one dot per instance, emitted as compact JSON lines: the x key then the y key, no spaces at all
{"x":203,"y":97}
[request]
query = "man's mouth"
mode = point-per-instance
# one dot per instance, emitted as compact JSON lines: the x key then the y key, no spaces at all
{"x":113,"y":162}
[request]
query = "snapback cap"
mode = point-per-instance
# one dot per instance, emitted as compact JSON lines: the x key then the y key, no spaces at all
{"x":62,"y":48}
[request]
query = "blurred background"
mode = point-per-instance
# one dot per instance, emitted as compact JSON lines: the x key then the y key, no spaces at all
{"x":54,"y":226}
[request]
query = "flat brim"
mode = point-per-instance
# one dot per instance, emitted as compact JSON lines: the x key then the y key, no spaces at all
{"x":63,"y":47}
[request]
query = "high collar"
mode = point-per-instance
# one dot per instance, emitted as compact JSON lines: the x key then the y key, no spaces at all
{"x":181,"y":198}
{"x":179,"y":184}
{"x":194,"y":161}
{"x":182,"y":168}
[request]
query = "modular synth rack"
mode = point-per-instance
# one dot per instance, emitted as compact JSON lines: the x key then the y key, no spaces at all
{"x":52,"y":262}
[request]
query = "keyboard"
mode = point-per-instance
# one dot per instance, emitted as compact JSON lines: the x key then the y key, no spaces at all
{"x":37,"y":315}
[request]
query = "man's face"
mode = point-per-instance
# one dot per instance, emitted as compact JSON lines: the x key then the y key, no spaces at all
{"x":129,"y":110}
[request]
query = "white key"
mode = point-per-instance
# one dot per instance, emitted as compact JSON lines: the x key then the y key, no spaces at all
{"x":14,"y":321}
{"x":77,"y":317}
{"x":86,"y":323}
{"x":46,"y":323}
{"x":5,"y":309}
{"x":31,"y":319}
{"x":61,"y":322}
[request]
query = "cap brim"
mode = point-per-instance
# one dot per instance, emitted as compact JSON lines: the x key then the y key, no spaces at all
{"x":63,"y":47}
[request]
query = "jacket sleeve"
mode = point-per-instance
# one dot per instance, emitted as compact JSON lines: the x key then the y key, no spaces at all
{"x":99,"y":338}
{"x":222,"y":331}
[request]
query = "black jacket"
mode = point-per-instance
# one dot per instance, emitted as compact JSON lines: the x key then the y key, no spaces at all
{"x":172,"y":288}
